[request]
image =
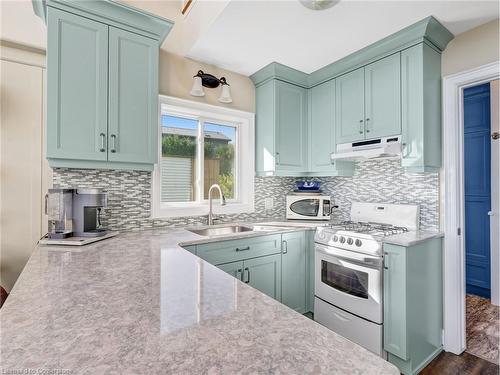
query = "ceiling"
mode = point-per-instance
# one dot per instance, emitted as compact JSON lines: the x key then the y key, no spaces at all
{"x":247,"y":35}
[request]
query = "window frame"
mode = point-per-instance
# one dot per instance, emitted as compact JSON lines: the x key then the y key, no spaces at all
{"x":244,"y":122}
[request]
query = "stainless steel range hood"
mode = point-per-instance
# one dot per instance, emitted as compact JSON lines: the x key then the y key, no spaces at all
{"x":372,"y":149}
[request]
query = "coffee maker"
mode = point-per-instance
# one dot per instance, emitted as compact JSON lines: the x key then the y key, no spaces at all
{"x":75,"y":212}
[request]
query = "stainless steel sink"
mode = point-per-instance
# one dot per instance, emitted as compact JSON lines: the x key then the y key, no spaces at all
{"x":220,"y":231}
{"x":268,"y":228}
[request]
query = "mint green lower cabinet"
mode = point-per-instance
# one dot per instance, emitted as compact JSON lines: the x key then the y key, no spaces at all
{"x":309,"y":247}
{"x":190,"y":248}
{"x":241,"y":249}
{"x":294,"y":271}
{"x":421,"y":108}
{"x":133,"y":97}
{"x":235,"y":269}
{"x":413,"y":304}
{"x":264,"y":274}
{"x":77,"y":87}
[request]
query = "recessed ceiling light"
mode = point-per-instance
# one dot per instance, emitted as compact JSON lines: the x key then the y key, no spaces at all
{"x":318,"y":4}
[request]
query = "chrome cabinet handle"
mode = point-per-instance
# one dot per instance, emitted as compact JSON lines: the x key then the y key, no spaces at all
{"x":277,"y":158}
{"x":239,"y":274}
{"x":243,"y":248}
{"x":248,"y":275}
{"x":103,"y":140}
{"x":285,"y":247}
{"x":46,"y":198}
{"x":386,"y":257}
{"x":367,"y":122}
{"x":113,"y":143}
{"x":361,"y":130}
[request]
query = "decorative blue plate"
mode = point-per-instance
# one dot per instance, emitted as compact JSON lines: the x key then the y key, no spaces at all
{"x":308,"y":185}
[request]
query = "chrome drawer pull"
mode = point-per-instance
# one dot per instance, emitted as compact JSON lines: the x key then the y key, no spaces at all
{"x":113,"y":143}
{"x":285,"y":247}
{"x":243,"y":248}
{"x":248,"y":275}
{"x":103,"y":139}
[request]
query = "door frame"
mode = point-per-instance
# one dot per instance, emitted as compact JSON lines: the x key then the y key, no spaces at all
{"x":454,"y":338}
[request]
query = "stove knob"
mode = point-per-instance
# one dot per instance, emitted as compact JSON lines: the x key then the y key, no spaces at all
{"x":349,"y":241}
{"x":358,"y":243}
{"x":342,"y":239}
{"x":335,"y":238}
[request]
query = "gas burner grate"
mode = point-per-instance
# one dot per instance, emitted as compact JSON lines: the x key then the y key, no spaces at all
{"x":370,"y":228}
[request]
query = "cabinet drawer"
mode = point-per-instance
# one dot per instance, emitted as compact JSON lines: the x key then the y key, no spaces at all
{"x":231,"y":251}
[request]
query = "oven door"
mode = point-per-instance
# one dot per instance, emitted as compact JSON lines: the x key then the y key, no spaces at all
{"x":350,"y":281}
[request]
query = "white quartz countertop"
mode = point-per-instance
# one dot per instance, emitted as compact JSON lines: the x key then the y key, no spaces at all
{"x":140,"y":304}
{"x":412,"y":238}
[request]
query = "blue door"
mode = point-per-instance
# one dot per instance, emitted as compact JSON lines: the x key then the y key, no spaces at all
{"x":477,"y":169}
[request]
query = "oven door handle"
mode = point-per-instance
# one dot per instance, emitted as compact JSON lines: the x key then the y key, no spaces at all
{"x":369,"y":262}
{"x":365,"y":262}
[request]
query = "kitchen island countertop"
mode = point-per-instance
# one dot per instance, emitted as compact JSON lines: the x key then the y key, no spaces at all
{"x":140,"y":304}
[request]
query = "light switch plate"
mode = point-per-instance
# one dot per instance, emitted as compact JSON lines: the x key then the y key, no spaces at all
{"x":268,"y":203}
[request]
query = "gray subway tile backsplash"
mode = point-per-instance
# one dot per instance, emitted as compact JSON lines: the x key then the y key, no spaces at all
{"x":129,"y":200}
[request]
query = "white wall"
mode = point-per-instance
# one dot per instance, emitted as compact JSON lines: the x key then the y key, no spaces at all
{"x":24,"y":172}
{"x":471,"y":49}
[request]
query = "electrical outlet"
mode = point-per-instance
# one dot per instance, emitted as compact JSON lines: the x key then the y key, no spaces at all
{"x":268,"y":203}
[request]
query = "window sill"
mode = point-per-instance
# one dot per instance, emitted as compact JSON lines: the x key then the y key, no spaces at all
{"x":182,"y":210}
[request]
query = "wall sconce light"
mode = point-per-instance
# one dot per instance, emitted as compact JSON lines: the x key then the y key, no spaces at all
{"x":202,"y":79}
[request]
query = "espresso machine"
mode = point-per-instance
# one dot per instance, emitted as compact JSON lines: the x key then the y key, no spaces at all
{"x":75,"y":212}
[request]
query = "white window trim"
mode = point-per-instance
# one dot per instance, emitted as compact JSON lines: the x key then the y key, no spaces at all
{"x":245,"y":159}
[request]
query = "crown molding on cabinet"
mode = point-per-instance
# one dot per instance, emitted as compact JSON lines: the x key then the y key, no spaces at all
{"x":111,"y":13}
{"x":429,"y":31}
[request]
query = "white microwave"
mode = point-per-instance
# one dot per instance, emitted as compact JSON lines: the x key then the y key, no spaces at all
{"x":307,"y":207}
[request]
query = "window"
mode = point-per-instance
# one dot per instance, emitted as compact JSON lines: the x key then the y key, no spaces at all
{"x":202,"y":145}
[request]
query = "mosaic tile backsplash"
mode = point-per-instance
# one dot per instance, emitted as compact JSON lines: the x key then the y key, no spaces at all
{"x":384,"y":181}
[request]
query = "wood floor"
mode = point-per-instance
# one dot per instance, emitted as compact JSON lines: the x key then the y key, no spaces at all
{"x":483,"y":328}
{"x":464,"y":364}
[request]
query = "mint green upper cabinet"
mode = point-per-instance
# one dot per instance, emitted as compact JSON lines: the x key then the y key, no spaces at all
{"x":294,"y":271}
{"x":322,"y":133}
{"x":421,"y":108}
{"x":383,"y":98}
{"x":264,"y":274}
{"x":77,"y":90}
{"x":291,"y":127}
{"x":102,"y":85}
{"x":133,"y":97}
{"x":322,"y":129}
{"x":265,"y":128}
{"x":350,"y":107}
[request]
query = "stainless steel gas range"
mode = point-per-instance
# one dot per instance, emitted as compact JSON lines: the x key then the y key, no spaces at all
{"x":349,"y":263}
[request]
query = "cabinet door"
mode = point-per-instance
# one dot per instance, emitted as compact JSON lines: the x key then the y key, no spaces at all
{"x":291,"y":127}
{"x":264,"y":274}
{"x":294,"y":271}
{"x":322,"y":129}
{"x":235,"y":269}
{"x":265,"y":152}
{"x":77,"y":87}
{"x":395,"y":337}
{"x":350,"y":108}
{"x":133,"y":97}
{"x":383,"y":97}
